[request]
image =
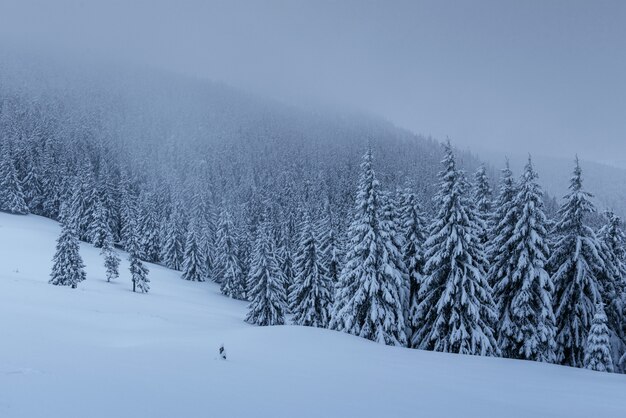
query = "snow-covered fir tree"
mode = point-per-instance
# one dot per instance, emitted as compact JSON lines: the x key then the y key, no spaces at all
{"x":456,"y":312}
{"x":11,"y":194}
{"x":310,"y":295}
{"x":369,"y":295}
{"x":285,"y":259}
{"x":482,"y":198}
{"x":227,"y":265}
{"x":149,"y":229}
{"x":575,"y":264}
{"x":138,"y":271}
{"x":502,"y":223}
{"x":100,"y":225}
{"x":414,"y":231}
{"x":194,"y":264}
{"x":268,"y":299}
{"x":612,"y":282}
{"x":598,"y":346}
{"x":84,"y":198}
{"x":172,"y":253}
{"x":68,"y":268}
{"x":526,"y":327}
{"x":330,"y":244}
{"x":111,"y":258}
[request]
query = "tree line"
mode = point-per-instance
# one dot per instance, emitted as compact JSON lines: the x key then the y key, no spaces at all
{"x":464,"y":273}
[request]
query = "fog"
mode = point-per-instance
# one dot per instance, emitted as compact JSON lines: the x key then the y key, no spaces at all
{"x":538,"y":76}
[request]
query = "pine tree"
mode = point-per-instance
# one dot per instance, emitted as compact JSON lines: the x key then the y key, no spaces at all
{"x":414,"y":232}
{"x":456,"y":310}
{"x":310,"y":295}
{"x":265,"y":281}
{"x":68,"y":267}
{"x":575,"y":263}
{"x":285,"y":260}
{"x":194,"y":264}
{"x":100,"y":226}
{"x":173,"y":249}
{"x":138,"y":271}
{"x":111,"y":259}
{"x":502,"y":223}
{"x":598,"y":348}
{"x":227,"y":265}
{"x":11,"y":194}
{"x":524,"y":297}
{"x":33,"y":187}
{"x":330,"y":246}
{"x":149,"y":229}
{"x":369,"y":295}
{"x":482,"y":199}
{"x":612,"y":281}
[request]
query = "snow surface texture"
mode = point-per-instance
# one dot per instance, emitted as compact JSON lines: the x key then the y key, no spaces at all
{"x":103,"y":351}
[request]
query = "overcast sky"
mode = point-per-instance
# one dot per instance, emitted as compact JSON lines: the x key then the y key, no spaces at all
{"x":508,"y":76}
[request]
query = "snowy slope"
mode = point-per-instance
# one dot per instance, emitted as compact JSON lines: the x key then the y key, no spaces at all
{"x":102,"y":351}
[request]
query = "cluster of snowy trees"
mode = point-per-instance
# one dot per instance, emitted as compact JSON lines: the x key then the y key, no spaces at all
{"x":448,"y":268}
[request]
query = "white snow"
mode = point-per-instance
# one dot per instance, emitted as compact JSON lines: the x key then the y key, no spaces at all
{"x":103,"y":351}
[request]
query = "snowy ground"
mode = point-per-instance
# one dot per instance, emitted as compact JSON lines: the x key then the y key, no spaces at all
{"x":102,"y":351}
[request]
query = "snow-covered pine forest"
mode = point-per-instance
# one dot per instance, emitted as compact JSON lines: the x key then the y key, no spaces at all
{"x":346,"y":224}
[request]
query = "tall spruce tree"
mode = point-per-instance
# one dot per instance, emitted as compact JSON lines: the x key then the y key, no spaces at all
{"x":68,"y":268}
{"x":172,"y":253}
{"x":149,"y":242}
{"x":310,"y":295}
{"x":612,"y":282}
{"x":100,"y":225}
{"x":598,"y":346}
{"x":330,"y":245}
{"x":194,"y":264}
{"x":575,"y":264}
{"x":456,"y":310}
{"x":11,"y":194}
{"x":268,"y":299}
{"x":524,"y":297}
{"x":369,"y":295}
{"x":414,"y":232}
{"x":502,"y":224}
{"x":482,"y":198}
{"x":227,"y":265}
{"x":138,"y":271}
{"x":111,"y":259}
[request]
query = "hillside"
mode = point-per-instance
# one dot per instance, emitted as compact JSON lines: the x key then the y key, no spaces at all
{"x":103,"y":351}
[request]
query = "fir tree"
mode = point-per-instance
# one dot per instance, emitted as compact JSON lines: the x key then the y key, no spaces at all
{"x":285,"y":260}
{"x":227,"y":265}
{"x":310,"y":296}
{"x":11,"y":194}
{"x":575,"y":263}
{"x":369,"y":295}
{"x":173,"y":249}
{"x":524,"y":297}
{"x":149,"y":229}
{"x":68,"y":267}
{"x":330,"y":246}
{"x":414,"y":232}
{"x":598,"y":348}
{"x":612,"y":280}
{"x":456,"y":310}
{"x":100,"y":226}
{"x":265,"y":281}
{"x":194,"y":264}
{"x":138,"y":271}
{"x":503,"y":222}
{"x":482,"y":197}
{"x":111,"y":259}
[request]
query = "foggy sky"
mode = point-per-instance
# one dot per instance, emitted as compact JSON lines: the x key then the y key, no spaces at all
{"x":535,"y":76}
